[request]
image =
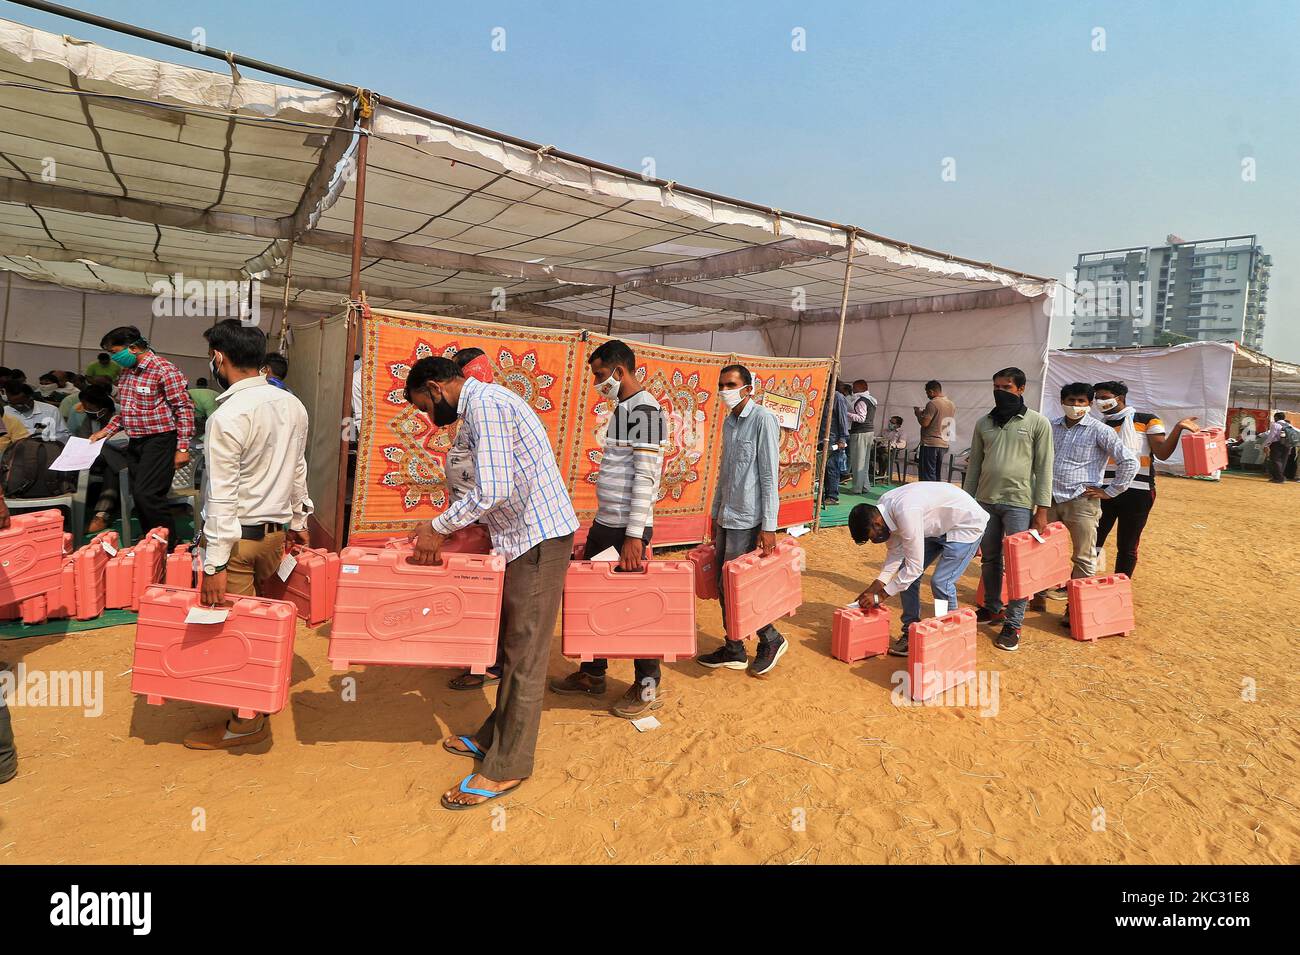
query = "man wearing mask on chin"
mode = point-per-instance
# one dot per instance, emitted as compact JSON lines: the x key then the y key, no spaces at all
{"x":155,"y":411}
{"x":256,"y":487}
{"x":1010,"y":474}
{"x":627,"y":485}
{"x":1144,"y":435}
{"x":1081,"y":447}
{"x":745,"y":506}
{"x":519,"y":494}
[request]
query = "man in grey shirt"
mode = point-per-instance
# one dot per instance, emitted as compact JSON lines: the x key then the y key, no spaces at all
{"x":745,"y":506}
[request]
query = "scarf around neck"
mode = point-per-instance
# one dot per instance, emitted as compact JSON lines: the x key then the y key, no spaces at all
{"x":1002,"y":414}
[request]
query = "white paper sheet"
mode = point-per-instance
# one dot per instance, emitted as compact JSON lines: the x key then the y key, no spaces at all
{"x":287,"y":564}
{"x":78,"y":454}
{"x":646,"y":723}
{"x":207,"y":615}
{"x":609,"y":555}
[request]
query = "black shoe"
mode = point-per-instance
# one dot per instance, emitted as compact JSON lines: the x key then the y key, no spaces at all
{"x":899,"y":647}
{"x":730,"y":655}
{"x":828,"y":502}
{"x":985,"y":615}
{"x":1008,"y":639}
{"x":767,"y":656}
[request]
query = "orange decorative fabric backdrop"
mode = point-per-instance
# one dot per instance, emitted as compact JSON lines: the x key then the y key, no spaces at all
{"x":400,"y":467}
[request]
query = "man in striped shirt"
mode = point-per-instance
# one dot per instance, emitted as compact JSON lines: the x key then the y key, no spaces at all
{"x":1144,"y":435}
{"x":627,"y":486}
{"x":1081,"y":447}
{"x":155,"y":411}
{"x":519,"y":494}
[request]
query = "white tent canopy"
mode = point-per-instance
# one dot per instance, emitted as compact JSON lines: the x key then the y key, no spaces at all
{"x":118,"y":170}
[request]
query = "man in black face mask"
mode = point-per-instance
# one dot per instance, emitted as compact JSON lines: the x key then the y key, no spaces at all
{"x":1010,"y":474}
{"x":519,"y":494}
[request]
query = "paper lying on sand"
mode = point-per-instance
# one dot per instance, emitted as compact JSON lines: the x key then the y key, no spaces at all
{"x":646,"y":723}
{"x":78,"y":454}
{"x":207,"y":615}
{"x":798,"y":530}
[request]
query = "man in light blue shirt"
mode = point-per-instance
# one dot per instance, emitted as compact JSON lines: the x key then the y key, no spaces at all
{"x":519,"y":494}
{"x":1081,"y":447}
{"x":745,"y":506}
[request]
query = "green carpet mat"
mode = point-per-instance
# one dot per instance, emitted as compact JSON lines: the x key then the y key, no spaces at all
{"x":837,"y":515}
{"x":16,"y":630}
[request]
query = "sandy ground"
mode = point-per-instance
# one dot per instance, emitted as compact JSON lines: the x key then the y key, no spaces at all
{"x":1137,"y":750}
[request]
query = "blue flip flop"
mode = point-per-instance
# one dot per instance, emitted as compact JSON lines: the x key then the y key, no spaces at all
{"x":474,"y":751}
{"x":471,"y":791}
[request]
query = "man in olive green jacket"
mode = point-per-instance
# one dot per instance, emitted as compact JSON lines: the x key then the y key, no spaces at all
{"x":1010,"y":474}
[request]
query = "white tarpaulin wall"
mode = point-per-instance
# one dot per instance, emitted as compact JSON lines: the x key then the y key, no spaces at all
{"x":962,"y":350}
{"x":44,"y":327}
{"x":1174,"y":382}
{"x":315,"y":350}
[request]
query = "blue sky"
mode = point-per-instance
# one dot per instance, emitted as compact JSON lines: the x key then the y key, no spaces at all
{"x":1058,"y":148}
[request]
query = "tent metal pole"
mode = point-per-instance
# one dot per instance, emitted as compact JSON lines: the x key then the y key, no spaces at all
{"x":1270,"y":389}
{"x":366,"y":107}
{"x":609,"y":325}
{"x":820,"y":476}
{"x":284,"y":301}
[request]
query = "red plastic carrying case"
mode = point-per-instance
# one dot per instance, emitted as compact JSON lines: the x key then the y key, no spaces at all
{"x":1029,"y":567}
{"x":643,"y":614}
{"x":31,"y":555}
{"x":390,"y":611}
{"x":243,"y":663}
{"x":941,"y":653}
{"x":761,"y":590}
{"x":857,"y":634}
{"x":1101,"y":607}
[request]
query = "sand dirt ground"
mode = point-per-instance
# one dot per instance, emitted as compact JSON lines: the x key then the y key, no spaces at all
{"x":1151,"y":730}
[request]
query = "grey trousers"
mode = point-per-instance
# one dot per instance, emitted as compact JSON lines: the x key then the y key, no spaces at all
{"x":530,"y":603}
{"x":860,"y":463}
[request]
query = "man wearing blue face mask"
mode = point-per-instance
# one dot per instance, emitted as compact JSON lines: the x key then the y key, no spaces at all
{"x":745,"y":506}
{"x":155,"y":411}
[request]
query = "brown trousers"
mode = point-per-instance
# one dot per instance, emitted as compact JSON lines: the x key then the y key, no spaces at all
{"x":253,"y":563}
{"x":530,"y":603}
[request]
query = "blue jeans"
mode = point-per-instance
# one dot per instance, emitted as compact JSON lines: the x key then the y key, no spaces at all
{"x":953,"y":559}
{"x":929,"y":463}
{"x":729,"y":545}
{"x":1004,"y":520}
{"x":836,"y":468}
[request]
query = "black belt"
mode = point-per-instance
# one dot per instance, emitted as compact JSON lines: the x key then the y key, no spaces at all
{"x":255,"y":532}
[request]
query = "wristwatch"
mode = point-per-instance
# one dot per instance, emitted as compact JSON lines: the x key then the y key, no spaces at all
{"x":211,"y":570}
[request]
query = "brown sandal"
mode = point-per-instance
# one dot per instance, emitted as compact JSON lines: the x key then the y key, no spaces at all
{"x":473,"y":681}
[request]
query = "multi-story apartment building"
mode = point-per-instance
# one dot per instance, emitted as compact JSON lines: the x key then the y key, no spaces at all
{"x":1203,"y":290}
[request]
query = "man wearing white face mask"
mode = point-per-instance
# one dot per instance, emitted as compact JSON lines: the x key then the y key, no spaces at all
{"x":1081,"y":447}
{"x":627,"y":485}
{"x":745,"y":506}
{"x":1144,"y":435}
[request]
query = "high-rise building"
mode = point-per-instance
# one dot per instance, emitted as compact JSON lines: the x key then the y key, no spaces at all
{"x":1203,"y":290}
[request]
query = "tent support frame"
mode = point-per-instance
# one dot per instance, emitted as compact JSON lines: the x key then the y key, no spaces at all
{"x":829,"y":402}
{"x":365,"y":106}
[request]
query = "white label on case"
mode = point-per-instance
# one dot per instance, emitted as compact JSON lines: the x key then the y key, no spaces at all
{"x":350,"y":569}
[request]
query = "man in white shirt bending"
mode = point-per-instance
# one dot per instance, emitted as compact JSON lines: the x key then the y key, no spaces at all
{"x":256,"y":487}
{"x":919,"y":522}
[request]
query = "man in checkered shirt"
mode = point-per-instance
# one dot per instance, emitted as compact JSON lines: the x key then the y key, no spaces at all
{"x":155,"y":411}
{"x":519,"y":494}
